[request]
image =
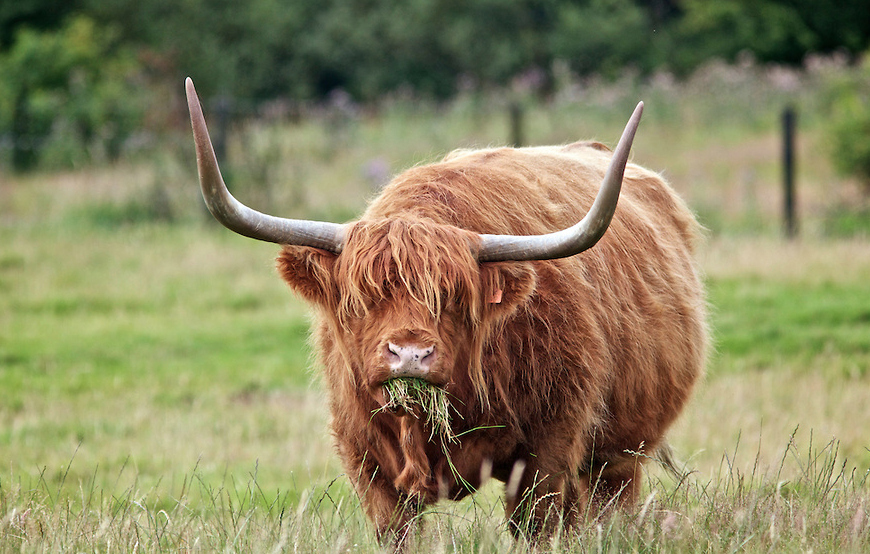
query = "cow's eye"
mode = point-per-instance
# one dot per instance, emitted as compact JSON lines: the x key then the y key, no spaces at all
{"x":452,"y":303}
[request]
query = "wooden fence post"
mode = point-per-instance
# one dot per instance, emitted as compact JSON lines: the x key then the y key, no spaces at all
{"x":789,"y":118}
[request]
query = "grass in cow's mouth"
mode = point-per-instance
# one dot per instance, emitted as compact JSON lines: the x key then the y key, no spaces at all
{"x":407,"y":392}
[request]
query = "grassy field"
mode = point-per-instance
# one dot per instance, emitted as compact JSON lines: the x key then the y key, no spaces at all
{"x":157,"y":390}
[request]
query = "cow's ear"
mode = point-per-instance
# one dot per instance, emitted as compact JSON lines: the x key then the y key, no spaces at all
{"x":309,"y":272}
{"x":506,"y":285}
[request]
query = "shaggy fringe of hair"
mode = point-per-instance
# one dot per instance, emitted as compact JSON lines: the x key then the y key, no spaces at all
{"x":417,"y":257}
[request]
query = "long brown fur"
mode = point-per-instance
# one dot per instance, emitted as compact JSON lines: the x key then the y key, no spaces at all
{"x":584,"y":361}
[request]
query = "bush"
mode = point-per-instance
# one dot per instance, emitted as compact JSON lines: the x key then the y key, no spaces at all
{"x":849,"y":127}
{"x":71,"y":92}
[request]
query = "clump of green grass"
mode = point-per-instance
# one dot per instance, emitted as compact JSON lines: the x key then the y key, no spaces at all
{"x":406,"y":393}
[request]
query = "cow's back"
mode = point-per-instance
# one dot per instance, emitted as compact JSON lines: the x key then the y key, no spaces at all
{"x":524,"y":191}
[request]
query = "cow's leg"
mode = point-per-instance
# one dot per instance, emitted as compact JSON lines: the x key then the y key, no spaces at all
{"x":393,"y":514}
{"x":542,"y":501}
{"x":614,"y":485}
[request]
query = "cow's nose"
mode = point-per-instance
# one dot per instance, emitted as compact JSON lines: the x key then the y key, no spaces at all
{"x":409,"y":360}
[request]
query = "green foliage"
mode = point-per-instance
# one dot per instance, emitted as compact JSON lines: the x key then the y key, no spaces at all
{"x":494,"y":40}
{"x":67,"y":92}
{"x":849,"y":126}
{"x":783,"y":31}
{"x":769,"y":30}
{"x":602,"y":36}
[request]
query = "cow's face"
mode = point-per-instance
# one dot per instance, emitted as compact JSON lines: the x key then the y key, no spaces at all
{"x":399,"y":336}
{"x":409,"y":299}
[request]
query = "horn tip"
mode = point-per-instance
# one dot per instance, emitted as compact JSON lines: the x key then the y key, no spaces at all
{"x":193,"y":104}
{"x":189,"y":88}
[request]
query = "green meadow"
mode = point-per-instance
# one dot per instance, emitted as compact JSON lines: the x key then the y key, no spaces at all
{"x":158,"y":391}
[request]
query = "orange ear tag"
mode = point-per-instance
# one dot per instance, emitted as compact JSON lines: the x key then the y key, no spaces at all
{"x":496,"y":297}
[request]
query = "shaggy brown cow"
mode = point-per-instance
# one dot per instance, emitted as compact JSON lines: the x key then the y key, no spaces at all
{"x":467,"y":273}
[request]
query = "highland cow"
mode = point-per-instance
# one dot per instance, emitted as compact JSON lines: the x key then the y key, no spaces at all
{"x":560,"y":362}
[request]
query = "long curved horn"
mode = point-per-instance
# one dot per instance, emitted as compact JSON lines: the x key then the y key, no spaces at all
{"x":579,"y":237}
{"x":239,"y":218}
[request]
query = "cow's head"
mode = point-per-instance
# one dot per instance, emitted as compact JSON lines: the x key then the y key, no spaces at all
{"x":408,"y":297}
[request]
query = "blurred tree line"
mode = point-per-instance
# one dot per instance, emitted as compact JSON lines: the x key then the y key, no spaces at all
{"x":81,"y":77}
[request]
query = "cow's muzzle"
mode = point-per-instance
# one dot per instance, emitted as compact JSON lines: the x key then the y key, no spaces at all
{"x":410,"y":360}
